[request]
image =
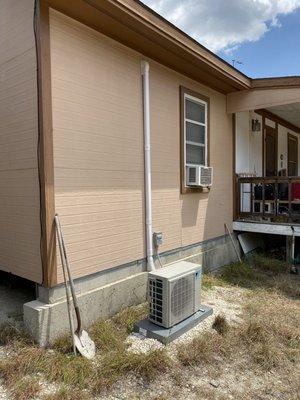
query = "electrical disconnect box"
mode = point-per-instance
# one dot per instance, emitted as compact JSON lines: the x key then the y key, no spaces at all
{"x":157,"y":239}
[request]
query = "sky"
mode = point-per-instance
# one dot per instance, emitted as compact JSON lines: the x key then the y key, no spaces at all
{"x":262,"y":34}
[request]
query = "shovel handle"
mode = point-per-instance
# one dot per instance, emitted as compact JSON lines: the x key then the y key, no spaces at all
{"x":78,"y":316}
{"x":77,"y":312}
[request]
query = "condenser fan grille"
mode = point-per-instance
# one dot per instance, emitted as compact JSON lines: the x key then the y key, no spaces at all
{"x":156,"y":300}
{"x":182,"y":298}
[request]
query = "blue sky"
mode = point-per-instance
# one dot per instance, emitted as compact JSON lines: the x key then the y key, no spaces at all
{"x":263,"y":34}
{"x":277,"y":53}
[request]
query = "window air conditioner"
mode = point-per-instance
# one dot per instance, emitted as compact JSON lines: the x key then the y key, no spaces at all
{"x":174,"y":293}
{"x":199,"y":176}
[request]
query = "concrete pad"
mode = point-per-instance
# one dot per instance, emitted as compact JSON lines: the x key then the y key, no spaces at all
{"x":167,"y":335}
{"x":105,"y":293}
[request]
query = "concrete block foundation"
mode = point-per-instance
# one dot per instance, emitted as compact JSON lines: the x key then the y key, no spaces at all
{"x":104,"y":294}
{"x":47,"y":321}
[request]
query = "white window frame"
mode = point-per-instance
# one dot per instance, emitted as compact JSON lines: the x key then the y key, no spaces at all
{"x":202,"y":102}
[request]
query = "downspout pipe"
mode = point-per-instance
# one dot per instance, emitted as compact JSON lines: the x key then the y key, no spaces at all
{"x":147,"y":160}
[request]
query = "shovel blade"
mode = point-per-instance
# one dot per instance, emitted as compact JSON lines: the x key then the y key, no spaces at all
{"x":85,"y":345}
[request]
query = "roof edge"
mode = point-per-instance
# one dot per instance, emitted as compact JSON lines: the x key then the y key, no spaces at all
{"x":150,"y":17}
{"x":276,"y":82}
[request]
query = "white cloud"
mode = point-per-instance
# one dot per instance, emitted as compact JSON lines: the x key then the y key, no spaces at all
{"x":224,"y":24}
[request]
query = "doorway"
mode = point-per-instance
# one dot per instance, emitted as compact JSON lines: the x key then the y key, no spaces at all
{"x":270,"y":151}
{"x":292,"y":163}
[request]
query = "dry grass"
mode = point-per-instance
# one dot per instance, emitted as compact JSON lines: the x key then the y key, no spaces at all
{"x":25,"y":388}
{"x":66,"y":393}
{"x":126,"y":319}
{"x":113,"y":366}
{"x":272,"y":329}
{"x":58,"y":365}
{"x":220,"y":325}
{"x":203,"y":349}
{"x":209,"y":281}
{"x":13,"y":335}
{"x":261,"y":272}
{"x":268,"y":339}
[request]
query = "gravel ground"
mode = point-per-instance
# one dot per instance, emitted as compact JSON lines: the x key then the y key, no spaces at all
{"x":225,"y":301}
{"x":225,"y":382}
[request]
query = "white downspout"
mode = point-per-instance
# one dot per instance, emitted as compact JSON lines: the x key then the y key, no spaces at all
{"x":147,"y":158}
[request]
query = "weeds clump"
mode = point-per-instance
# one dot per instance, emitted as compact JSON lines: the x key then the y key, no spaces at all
{"x":220,"y":325}
{"x":63,"y":344}
{"x":271,"y":331}
{"x":126,"y":319}
{"x":241,"y":274}
{"x":209,"y":281}
{"x":11,"y":334}
{"x":25,"y":388}
{"x":269,"y":265}
{"x":66,"y":393}
{"x":203,"y":349}
{"x":261,"y":272}
{"x":24,"y":362}
{"x":107,"y":336}
{"x":113,"y":366}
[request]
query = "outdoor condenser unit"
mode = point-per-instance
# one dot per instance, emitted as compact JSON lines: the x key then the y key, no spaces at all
{"x":174,"y":293}
{"x":199,"y":176}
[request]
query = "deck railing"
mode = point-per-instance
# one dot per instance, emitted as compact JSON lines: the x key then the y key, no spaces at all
{"x":269,"y":198}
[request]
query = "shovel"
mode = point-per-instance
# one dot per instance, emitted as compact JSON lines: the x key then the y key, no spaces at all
{"x":81,"y":339}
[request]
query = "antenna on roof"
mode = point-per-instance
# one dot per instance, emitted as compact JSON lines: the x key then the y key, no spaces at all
{"x":236,"y":62}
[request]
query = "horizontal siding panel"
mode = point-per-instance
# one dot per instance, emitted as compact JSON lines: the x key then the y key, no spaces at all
{"x":97,"y":118}
{"x":19,"y":183}
{"x":98,"y":152}
{"x":16,"y":34}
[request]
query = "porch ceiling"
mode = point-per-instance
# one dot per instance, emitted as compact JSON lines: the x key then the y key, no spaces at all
{"x":289,"y":112}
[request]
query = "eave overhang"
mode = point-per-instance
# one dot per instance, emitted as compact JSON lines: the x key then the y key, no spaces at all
{"x":136,"y":26}
{"x":259,"y":98}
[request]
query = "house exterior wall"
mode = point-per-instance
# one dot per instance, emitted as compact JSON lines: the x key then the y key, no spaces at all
{"x":242,"y":148}
{"x":98,"y":152}
{"x":19,"y":187}
{"x":249,"y":144}
{"x":283,"y":147}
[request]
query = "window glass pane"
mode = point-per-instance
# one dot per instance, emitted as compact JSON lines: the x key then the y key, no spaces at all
{"x":195,"y":154}
{"x":195,"y":111}
{"x":195,"y":133}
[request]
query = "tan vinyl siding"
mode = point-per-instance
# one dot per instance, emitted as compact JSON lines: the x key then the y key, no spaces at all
{"x":19,"y":189}
{"x":98,"y":152}
{"x":96,"y":120}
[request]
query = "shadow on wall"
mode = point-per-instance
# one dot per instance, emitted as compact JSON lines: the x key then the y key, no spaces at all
{"x":190,"y":208}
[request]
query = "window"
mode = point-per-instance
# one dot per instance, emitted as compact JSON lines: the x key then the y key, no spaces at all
{"x":194,"y":133}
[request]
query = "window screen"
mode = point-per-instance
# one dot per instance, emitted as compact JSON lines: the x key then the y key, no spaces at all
{"x":195,"y":125}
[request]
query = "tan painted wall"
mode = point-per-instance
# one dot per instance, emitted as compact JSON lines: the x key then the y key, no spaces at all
{"x":98,"y":152}
{"x":19,"y":190}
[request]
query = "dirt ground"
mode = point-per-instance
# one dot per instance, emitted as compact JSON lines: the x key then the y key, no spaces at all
{"x":225,"y":374}
{"x":11,"y":303}
{"x":226,"y":381}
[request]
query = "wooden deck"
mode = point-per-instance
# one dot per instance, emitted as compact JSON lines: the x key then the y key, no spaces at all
{"x":268,"y":199}
{"x":273,"y":228}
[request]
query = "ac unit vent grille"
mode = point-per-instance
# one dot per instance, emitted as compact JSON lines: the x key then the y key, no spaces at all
{"x":156,"y":300}
{"x":192,"y":175}
{"x":206,"y":176}
{"x":182,"y":298}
